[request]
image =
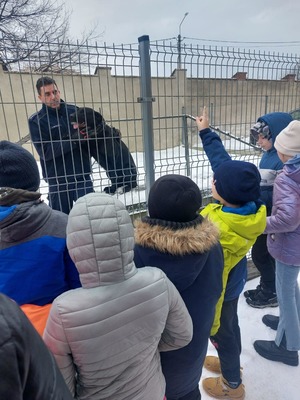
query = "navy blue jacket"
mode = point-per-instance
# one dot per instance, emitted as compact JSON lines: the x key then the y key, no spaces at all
{"x":195,"y":266}
{"x":63,"y":159}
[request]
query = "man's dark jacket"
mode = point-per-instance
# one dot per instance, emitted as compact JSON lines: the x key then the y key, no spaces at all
{"x":63,"y":159}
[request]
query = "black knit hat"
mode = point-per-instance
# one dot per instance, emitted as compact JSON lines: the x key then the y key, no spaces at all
{"x":18,"y":168}
{"x":237,"y":182}
{"x":174,"y":198}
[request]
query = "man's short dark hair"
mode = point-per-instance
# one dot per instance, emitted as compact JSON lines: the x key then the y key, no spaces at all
{"x":44,"y":81}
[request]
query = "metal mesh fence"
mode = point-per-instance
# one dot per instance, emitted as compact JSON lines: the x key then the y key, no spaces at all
{"x":236,"y":85}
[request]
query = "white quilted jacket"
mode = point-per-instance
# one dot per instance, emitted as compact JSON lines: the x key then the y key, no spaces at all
{"x":106,"y":336}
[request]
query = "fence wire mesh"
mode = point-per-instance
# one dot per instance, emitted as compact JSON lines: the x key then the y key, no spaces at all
{"x":236,"y":85}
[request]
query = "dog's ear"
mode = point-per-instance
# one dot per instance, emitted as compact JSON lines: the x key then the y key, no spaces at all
{"x":87,"y":116}
{"x":78,"y":116}
{"x":93,"y":118}
{"x":90,"y":117}
{"x":98,"y":118}
{"x":73,"y":118}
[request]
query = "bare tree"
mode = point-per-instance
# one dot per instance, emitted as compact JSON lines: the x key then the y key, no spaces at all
{"x":34,"y":34}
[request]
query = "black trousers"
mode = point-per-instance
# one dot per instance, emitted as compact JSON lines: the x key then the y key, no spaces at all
{"x":193,"y":395}
{"x":62,"y":197}
{"x":264,"y":262}
{"x":227,"y":342}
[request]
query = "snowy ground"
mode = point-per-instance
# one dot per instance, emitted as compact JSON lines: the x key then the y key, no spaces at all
{"x":263,"y":379}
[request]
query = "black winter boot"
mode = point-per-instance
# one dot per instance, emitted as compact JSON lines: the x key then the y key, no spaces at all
{"x":252,"y":292}
{"x":271,"y":321}
{"x":270,"y":351}
{"x":262,"y":299}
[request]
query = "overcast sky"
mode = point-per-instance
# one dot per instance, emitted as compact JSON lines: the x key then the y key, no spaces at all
{"x":124,"y":21}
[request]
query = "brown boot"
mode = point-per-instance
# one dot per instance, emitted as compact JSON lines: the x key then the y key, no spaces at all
{"x":212,"y":364}
{"x":219,"y":389}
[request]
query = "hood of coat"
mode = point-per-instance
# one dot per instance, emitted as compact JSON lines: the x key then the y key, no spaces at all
{"x":20,"y":221}
{"x":100,"y":240}
{"x":276,"y":122}
{"x":292,"y":168}
{"x":193,"y":240}
{"x":247,"y":227}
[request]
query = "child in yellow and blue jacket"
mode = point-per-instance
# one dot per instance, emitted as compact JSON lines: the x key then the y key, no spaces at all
{"x":240,"y":217}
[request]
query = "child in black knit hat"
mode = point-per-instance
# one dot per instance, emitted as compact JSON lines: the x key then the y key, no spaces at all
{"x":240,"y":217}
{"x":178,"y":240}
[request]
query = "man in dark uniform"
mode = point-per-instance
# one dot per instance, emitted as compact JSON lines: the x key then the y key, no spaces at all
{"x":65,"y":161}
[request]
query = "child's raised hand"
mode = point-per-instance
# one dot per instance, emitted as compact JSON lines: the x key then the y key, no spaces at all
{"x":203,"y":121}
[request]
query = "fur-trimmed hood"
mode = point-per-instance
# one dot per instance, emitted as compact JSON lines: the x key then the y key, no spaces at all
{"x":198,"y":239}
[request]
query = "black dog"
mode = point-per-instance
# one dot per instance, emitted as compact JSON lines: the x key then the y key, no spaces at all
{"x":107,"y":148}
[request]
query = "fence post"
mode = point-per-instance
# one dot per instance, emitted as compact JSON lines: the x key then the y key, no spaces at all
{"x":146,"y":100}
{"x":185,"y":142}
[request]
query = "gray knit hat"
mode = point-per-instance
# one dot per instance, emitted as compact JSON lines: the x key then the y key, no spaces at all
{"x":18,"y":168}
{"x":288,"y":140}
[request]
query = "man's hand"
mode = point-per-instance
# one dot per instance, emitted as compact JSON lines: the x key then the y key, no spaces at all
{"x":203,"y":121}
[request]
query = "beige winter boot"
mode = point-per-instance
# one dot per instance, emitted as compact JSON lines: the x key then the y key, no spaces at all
{"x":212,"y":363}
{"x":219,"y":389}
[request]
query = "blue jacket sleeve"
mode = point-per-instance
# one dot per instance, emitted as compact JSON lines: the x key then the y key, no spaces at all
{"x":72,"y":276}
{"x":213,"y":148}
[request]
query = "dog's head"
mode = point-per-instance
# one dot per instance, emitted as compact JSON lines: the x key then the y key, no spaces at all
{"x":85,"y":118}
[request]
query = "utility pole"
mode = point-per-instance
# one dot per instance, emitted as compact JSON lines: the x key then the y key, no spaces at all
{"x":179,"y":40}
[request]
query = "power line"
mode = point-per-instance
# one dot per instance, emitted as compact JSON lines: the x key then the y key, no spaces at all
{"x":253,"y":43}
{"x":290,"y":43}
{"x":293,"y":42}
